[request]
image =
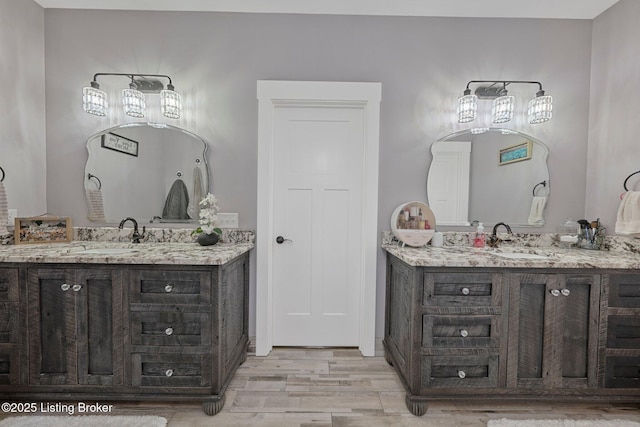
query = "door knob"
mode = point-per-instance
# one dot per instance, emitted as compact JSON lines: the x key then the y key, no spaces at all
{"x":280,"y":240}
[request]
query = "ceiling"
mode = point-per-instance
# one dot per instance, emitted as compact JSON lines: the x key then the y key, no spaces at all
{"x":559,"y":9}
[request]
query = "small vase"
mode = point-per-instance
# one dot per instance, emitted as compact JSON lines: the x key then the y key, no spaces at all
{"x":205,"y":239}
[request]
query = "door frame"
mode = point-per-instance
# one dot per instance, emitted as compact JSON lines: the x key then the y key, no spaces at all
{"x":274,"y":94}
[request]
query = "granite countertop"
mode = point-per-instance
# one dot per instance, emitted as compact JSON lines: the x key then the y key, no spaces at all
{"x":462,"y":256}
{"x":89,"y":252}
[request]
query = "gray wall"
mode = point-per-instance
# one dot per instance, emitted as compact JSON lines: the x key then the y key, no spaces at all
{"x":22,"y":115}
{"x":215,"y":60}
{"x":614,"y":149}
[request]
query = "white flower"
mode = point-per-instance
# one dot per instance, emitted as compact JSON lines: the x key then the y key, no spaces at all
{"x":209,"y":213}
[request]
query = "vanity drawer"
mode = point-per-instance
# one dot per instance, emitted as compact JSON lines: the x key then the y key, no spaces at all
{"x":171,"y":370}
{"x":622,"y":372}
{"x":459,"y":371}
{"x":460,"y":289}
{"x":460,"y":331}
{"x":9,"y":328}
{"x":170,"y":287}
{"x":9,"y":285}
{"x":624,"y":290}
{"x":170,"y":329}
{"x":623,"y":332}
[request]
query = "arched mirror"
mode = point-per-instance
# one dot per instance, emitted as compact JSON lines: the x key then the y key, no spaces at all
{"x":496,"y":176}
{"x":154,"y":174}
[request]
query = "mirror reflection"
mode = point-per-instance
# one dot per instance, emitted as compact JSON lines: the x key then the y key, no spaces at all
{"x":154,"y":174}
{"x":496,"y":176}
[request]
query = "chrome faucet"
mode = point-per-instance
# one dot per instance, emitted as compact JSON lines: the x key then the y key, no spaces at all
{"x":136,"y":236}
{"x":494,"y":240}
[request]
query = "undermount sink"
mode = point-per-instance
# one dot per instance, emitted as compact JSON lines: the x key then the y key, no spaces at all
{"x":521,"y":255}
{"x":107,"y":251}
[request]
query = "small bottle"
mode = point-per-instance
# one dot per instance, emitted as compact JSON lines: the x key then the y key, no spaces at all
{"x":479,"y":239}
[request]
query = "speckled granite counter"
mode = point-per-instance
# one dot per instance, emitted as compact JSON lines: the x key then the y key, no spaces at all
{"x":461,"y":256}
{"x":91,"y":252}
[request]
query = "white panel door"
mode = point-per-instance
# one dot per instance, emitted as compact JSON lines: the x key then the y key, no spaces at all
{"x":318,"y":179}
{"x":448,"y":182}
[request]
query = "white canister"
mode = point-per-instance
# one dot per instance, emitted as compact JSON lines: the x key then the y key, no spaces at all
{"x":437,"y":240}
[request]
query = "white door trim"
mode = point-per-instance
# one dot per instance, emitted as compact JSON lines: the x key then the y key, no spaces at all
{"x":272,"y":95}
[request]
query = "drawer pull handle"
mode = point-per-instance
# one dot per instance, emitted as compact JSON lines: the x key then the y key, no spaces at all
{"x":555,"y":292}
{"x":465,"y":291}
{"x":565,"y":292}
{"x":461,"y":374}
{"x":464,"y":333}
{"x":168,"y":288}
{"x":169,"y":372}
{"x":168,"y":331}
{"x":65,"y":287}
{"x":76,"y":288}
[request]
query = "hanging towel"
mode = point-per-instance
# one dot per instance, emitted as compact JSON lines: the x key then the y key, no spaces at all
{"x":537,"y":208}
{"x":628,"y":220}
{"x":194,"y":204}
{"x":177,"y":203}
{"x":4,"y":210}
{"x":96,"y":206}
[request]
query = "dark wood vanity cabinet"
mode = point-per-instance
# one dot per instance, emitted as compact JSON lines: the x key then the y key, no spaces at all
{"x":477,"y":333}
{"x":123,"y":332}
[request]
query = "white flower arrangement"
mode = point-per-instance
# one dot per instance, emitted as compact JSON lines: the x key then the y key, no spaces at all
{"x":208,"y":215}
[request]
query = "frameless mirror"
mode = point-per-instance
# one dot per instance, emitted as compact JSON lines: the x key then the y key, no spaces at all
{"x":496,"y":176}
{"x":154,"y":174}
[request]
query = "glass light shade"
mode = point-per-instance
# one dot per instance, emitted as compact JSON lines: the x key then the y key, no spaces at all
{"x":94,"y":101}
{"x":467,"y":108}
{"x":540,"y":109}
{"x":171,"y":104}
{"x":502,"y":109}
{"x":133,"y":102}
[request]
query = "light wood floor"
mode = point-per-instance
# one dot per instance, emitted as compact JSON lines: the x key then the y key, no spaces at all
{"x":340,"y":388}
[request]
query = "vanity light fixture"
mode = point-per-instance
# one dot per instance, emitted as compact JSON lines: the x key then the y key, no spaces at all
{"x":94,"y":100}
{"x":539,"y":108}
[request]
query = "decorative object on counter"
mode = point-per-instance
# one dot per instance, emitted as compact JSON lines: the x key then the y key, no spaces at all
{"x":437,"y":240}
{"x":478,"y":239}
{"x":94,"y":100}
{"x":539,"y":109}
{"x":4,"y":207}
{"x":208,"y":220}
{"x":628,"y":217}
{"x":569,"y":232}
{"x":591,"y":235}
{"x":43,"y":229}
{"x":413,"y":223}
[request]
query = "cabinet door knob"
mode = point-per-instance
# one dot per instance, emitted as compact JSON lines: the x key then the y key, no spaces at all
{"x":76,"y":288}
{"x":465,"y":291}
{"x":65,"y":287}
{"x":168,"y":288}
{"x":464,"y":333}
{"x":565,"y":292}
{"x":555,"y":292}
{"x":168,"y":331}
{"x":168,"y":372}
{"x":461,"y":374}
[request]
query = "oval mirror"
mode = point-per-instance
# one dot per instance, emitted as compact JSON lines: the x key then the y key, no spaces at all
{"x":496,"y":176}
{"x":154,"y":174}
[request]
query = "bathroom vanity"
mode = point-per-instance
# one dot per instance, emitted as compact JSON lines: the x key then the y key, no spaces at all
{"x":88,"y":322}
{"x":464,"y":323}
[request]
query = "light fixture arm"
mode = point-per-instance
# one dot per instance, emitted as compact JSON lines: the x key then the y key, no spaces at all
{"x":505,"y":83}
{"x":131,"y":76}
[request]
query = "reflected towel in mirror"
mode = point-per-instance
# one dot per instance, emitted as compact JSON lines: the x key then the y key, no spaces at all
{"x":177,"y":203}
{"x":628,"y":219}
{"x":537,"y":208}
{"x":198,"y":191}
{"x":96,"y":206}
{"x":4,"y":210}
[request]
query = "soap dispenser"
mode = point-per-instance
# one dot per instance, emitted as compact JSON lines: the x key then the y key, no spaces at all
{"x":479,"y":239}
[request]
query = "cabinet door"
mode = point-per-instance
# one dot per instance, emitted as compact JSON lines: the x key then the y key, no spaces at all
{"x":75,"y":338}
{"x":553,"y":330}
{"x":11,"y":328}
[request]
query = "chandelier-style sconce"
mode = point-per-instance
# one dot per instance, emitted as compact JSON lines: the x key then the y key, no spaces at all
{"x":539,"y":109}
{"x":94,"y":100}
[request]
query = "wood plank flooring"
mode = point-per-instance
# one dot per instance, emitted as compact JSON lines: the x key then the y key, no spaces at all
{"x":340,"y":388}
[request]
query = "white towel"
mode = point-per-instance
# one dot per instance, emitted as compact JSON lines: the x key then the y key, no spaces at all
{"x":194,"y":208}
{"x":96,"y":206}
{"x":4,"y":210}
{"x":628,"y":220}
{"x":537,"y":208}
